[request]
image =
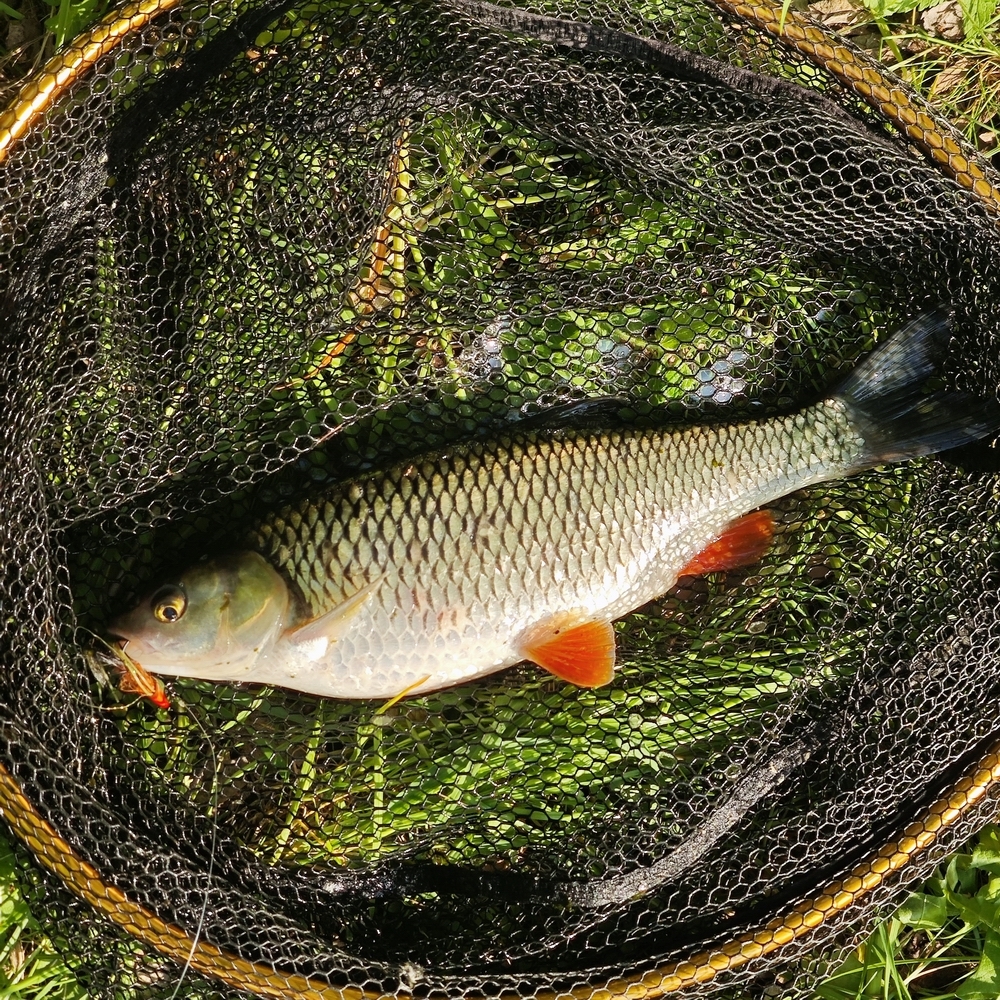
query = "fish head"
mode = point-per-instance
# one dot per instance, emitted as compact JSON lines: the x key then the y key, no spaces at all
{"x":213,"y":620}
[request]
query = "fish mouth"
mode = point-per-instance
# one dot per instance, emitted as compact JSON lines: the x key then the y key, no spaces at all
{"x":108,"y":652}
{"x":118,"y":644}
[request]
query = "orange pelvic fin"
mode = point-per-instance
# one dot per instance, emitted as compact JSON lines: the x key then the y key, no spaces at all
{"x":741,"y":544}
{"x":574,"y":648}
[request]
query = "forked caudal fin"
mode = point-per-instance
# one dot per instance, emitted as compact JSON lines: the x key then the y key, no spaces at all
{"x":885,"y":397}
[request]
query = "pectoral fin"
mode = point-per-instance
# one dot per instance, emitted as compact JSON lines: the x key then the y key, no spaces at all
{"x":572,"y":647}
{"x":743,"y":543}
{"x":316,"y":635}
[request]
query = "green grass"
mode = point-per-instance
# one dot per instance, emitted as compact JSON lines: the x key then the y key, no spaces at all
{"x":944,"y":942}
{"x":470,"y":182}
{"x":961,"y":77}
{"x":30,"y":967}
{"x":43,"y":27}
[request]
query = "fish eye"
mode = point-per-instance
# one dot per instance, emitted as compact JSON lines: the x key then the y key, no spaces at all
{"x":168,"y":603}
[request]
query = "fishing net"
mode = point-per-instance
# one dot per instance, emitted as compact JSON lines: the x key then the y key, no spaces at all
{"x":253,"y":247}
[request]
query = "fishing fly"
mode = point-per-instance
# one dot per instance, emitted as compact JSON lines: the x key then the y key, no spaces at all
{"x":132,"y":677}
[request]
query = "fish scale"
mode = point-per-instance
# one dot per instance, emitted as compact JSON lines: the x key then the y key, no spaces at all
{"x":454,"y":565}
{"x":508,"y":533}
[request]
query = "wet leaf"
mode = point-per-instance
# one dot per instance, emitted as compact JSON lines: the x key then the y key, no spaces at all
{"x":923,"y":911}
{"x":982,"y":984}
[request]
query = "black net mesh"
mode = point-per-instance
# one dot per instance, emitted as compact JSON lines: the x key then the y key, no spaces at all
{"x":263,"y":247}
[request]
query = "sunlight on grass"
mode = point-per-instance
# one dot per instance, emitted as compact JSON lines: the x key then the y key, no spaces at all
{"x":960,"y":76}
{"x":943,"y":942}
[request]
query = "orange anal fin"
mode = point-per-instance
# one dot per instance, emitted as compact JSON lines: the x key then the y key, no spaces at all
{"x":575,"y":649}
{"x":743,"y":543}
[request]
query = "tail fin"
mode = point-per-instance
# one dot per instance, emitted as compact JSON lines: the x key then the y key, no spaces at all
{"x":898,"y":421}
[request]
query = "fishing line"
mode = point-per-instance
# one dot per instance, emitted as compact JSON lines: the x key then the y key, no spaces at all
{"x":196,"y":935}
{"x":121,"y":658}
{"x":132,"y":677}
{"x":660,"y":220}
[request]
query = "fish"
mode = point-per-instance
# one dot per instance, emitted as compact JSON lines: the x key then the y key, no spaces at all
{"x":528,"y":546}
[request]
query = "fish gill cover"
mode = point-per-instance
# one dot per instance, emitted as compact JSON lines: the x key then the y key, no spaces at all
{"x":261,"y":247}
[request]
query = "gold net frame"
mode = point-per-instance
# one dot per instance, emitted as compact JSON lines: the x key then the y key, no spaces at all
{"x":981,"y":782}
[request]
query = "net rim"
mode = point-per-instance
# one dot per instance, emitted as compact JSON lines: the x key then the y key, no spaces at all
{"x":44,"y":90}
{"x":27,"y":111}
{"x":836,"y":898}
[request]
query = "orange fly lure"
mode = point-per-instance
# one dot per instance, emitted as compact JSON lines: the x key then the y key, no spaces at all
{"x":132,"y":677}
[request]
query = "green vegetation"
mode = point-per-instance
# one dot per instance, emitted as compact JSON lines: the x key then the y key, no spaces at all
{"x":956,"y":64}
{"x":943,"y":943}
{"x":29,"y":965}
{"x":976,"y":14}
{"x":472,"y":184}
